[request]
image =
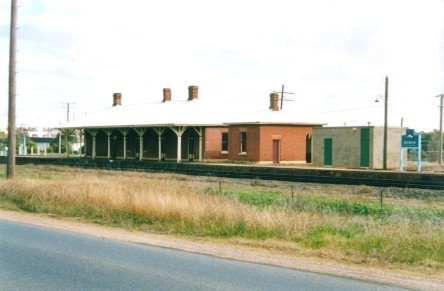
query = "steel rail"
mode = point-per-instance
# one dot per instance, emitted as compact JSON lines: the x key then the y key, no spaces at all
{"x":324,"y":176}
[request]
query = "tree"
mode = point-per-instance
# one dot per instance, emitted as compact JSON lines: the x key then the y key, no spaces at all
{"x":430,"y":145}
{"x":29,"y":143}
{"x":3,"y":141}
{"x":3,"y":144}
{"x":54,"y":144}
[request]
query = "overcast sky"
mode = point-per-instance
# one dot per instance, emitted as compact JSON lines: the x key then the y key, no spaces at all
{"x":334,"y":56}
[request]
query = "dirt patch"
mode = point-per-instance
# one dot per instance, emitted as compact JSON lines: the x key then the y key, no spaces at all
{"x":225,"y":249}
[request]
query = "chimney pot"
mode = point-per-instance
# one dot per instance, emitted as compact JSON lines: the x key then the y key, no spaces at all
{"x":193,"y":92}
{"x":166,"y":94}
{"x":274,"y":101}
{"x":117,"y":99}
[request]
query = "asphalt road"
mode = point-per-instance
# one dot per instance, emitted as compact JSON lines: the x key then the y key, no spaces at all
{"x":38,"y":258}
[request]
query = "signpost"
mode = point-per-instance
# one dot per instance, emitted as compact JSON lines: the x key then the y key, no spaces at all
{"x":410,"y":141}
{"x":22,"y":147}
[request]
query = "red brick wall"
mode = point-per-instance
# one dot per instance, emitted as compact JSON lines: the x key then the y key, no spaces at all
{"x":260,"y":142}
{"x":213,"y":143}
{"x":253,"y":136}
{"x":292,"y":142}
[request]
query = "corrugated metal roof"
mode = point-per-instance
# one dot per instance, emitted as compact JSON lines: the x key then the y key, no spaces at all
{"x":185,"y":113}
{"x":268,"y":116}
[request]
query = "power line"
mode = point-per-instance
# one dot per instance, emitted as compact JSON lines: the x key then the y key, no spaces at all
{"x":350,"y":109}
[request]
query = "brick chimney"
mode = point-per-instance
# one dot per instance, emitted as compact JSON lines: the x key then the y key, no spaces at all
{"x":166,"y":94}
{"x":117,"y":99}
{"x":274,"y":101}
{"x":192,"y":92}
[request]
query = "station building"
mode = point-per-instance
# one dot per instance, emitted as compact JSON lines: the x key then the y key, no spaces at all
{"x":357,"y":146}
{"x":192,"y":130}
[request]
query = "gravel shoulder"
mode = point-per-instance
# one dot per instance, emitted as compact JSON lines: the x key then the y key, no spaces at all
{"x":224,"y":249}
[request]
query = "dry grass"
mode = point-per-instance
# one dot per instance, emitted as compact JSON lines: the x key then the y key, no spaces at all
{"x":184,"y":205}
{"x":158,"y":200}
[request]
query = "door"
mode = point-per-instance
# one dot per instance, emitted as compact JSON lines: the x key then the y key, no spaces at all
{"x":114,"y":147}
{"x":137,"y":147}
{"x":365,"y":148}
{"x":190,"y":149}
{"x":276,"y":153}
{"x":328,"y":152}
{"x":308,"y":148}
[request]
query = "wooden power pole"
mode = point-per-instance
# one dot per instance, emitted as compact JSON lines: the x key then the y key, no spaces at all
{"x":68,"y":110}
{"x":384,"y":154}
{"x":10,"y":169}
{"x":282,"y":96}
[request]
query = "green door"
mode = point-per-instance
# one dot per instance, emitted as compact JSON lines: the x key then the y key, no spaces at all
{"x":365,"y":147}
{"x":328,"y":152}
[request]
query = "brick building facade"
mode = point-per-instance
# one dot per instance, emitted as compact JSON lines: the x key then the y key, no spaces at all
{"x":190,"y":130}
{"x":270,"y":143}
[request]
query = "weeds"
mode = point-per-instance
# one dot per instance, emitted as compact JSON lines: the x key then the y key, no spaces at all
{"x":342,"y":205}
{"x":340,"y":221}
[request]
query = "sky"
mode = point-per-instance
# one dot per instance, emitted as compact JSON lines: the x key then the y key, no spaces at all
{"x":333,"y":55}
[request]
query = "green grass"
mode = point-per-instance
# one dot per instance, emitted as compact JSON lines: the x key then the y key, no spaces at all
{"x":353,"y":205}
{"x":345,"y":222}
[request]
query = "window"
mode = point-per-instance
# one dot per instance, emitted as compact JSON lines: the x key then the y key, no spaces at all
{"x":243,"y":142}
{"x":225,"y":141}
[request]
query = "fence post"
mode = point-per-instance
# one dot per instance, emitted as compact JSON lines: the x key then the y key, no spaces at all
{"x":292,"y":194}
{"x":382,"y":205}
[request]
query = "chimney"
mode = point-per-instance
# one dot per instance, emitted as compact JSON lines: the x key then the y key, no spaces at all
{"x":117,"y":99}
{"x":192,"y":92}
{"x":166,"y":94}
{"x":274,"y":101}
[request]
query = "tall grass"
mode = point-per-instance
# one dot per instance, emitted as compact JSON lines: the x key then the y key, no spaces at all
{"x":163,"y":205}
{"x":350,"y":229}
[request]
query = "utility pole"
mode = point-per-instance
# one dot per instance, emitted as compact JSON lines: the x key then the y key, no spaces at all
{"x":441,"y":106}
{"x":10,"y":169}
{"x":282,"y":96}
{"x":67,"y":110}
{"x":384,"y":151}
{"x":384,"y":156}
{"x":67,"y":120}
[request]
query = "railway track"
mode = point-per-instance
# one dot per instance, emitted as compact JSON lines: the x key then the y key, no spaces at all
{"x":323,"y":179}
{"x":318,"y":179}
{"x":310,"y":175}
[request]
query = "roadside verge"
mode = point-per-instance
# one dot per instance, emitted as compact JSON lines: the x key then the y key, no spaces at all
{"x":224,"y":250}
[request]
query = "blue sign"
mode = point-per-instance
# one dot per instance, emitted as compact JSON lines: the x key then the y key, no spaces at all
{"x":410,"y":141}
{"x":410,"y":132}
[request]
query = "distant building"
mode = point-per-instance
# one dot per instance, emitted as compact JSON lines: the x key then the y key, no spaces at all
{"x":42,"y":132}
{"x":42,"y":143}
